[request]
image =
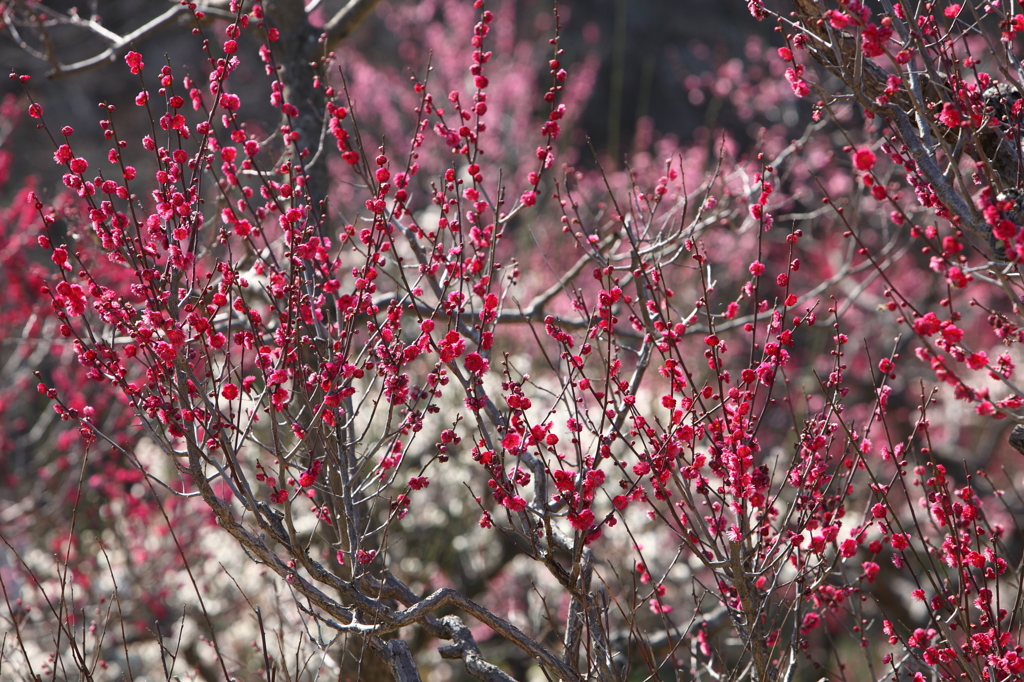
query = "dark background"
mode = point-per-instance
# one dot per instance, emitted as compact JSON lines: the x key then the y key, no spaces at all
{"x":647,"y":48}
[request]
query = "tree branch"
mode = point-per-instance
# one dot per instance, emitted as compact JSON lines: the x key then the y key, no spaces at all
{"x":398,"y":657}
{"x":346,"y":20}
{"x":450,"y":597}
{"x":465,"y":648}
{"x":118,"y":44}
{"x":926,"y":162}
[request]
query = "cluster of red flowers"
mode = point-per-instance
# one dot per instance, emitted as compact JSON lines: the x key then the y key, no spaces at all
{"x":699,"y":384}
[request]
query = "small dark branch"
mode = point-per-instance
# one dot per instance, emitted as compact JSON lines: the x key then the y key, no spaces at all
{"x":714,"y":624}
{"x":347,"y":20}
{"x":465,"y":648}
{"x":527,"y":316}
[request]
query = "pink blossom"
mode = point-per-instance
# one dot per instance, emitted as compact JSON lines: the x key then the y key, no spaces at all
{"x":977,"y":360}
{"x":229,"y":101}
{"x":863,"y":159}
{"x":949,"y":115}
{"x":514,"y":504}
{"x":134,"y":61}
{"x":809,"y":622}
{"x":476,"y":364}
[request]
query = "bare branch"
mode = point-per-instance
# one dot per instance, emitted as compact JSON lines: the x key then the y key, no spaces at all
{"x":346,"y":20}
{"x":399,"y":659}
{"x":118,"y":47}
{"x":450,"y":597}
{"x":117,"y":44}
{"x":465,"y":648}
{"x":926,"y":162}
